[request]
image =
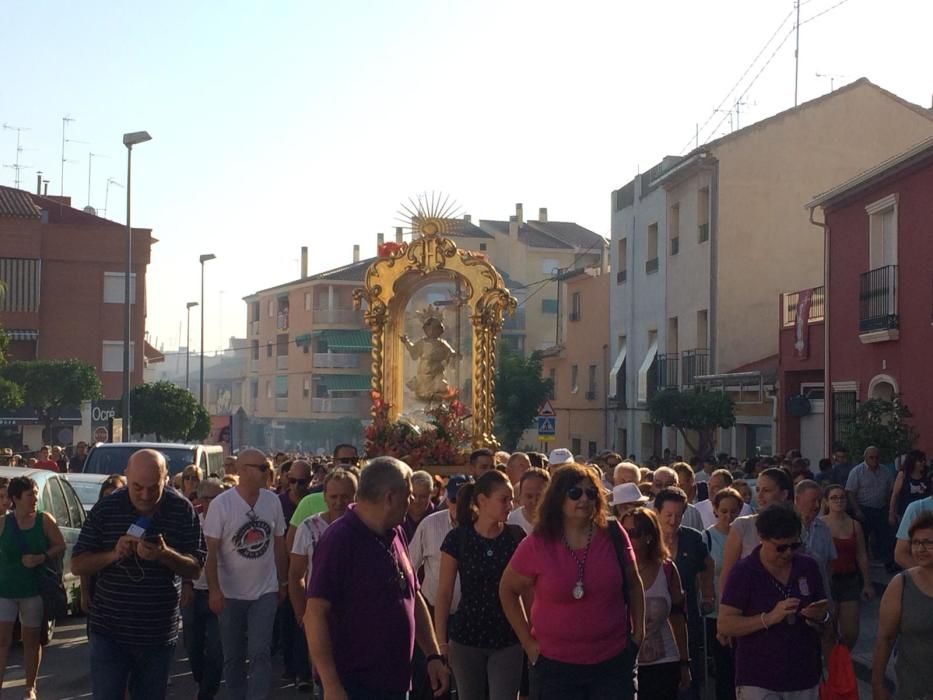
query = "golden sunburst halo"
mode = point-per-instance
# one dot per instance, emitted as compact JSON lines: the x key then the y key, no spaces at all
{"x":428,"y":214}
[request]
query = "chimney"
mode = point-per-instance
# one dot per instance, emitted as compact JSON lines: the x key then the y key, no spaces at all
{"x":399,"y":238}
{"x":356,"y":252}
{"x":39,"y":182}
{"x":380,"y":239}
{"x":45,"y":188}
{"x":467,"y":218}
{"x":513,"y":226}
{"x":542,"y":214}
{"x":304,"y":262}
{"x":519,"y":215}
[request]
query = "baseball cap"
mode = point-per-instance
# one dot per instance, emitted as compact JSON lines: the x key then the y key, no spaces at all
{"x":626,"y":493}
{"x":560,"y":457}
{"x":454,"y":483}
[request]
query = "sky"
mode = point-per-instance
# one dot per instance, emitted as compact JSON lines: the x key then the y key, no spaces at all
{"x":280,"y":124}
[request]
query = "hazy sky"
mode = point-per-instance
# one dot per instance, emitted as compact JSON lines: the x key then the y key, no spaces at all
{"x":280,"y":124}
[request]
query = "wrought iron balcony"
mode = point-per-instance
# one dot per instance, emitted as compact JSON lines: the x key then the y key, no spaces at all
{"x":878,"y":300}
{"x":694,"y":363}
{"x":668,"y":370}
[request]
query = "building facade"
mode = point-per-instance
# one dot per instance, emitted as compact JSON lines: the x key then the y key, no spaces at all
{"x":730,"y":236}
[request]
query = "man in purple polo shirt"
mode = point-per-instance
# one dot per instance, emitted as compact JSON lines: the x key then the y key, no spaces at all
{"x":364,"y":611}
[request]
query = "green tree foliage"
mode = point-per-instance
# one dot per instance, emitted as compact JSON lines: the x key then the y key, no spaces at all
{"x":882,"y":424}
{"x":50,"y":386}
{"x":698,"y":410}
{"x":520,"y":392}
{"x":11,"y":395}
{"x":169,"y":412}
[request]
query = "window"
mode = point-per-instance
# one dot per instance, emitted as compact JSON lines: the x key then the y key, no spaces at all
{"x":268,"y":389}
{"x":673,"y":228}
{"x":281,"y":386}
{"x":552,"y":375}
{"x":112,"y":360}
{"x":482,"y":246}
{"x":702,"y":329}
{"x":844,"y":405}
{"x":591,"y":448}
{"x":574,"y":379}
{"x":255,"y":349}
{"x":308,"y":301}
{"x":269,"y":349}
{"x":254,"y":311}
{"x":622,"y":255}
{"x":575,"y":308}
{"x":645,"y":370}
{"x":617,"y":373}
{"x":882,"y":236}
{"x":254,"y":390}
{"x":651,"y":250}
{"x":703,"y":214}
{"x":672,"y":347}
{"x":115,"y":286}
{"x":549,"y":306}
{"x":591,"y":383}
{"x":56,"y":499}
{"x":575,"y":446}
{"x":281,"y":344}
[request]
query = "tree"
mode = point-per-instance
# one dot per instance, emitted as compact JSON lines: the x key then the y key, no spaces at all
{"x":882,"y":424}
{"x":168,"y":412}
{"x":698,"y":410}
{"x":50,"y":386}
{"x":520,"y":392}
{"x":11,"y":395}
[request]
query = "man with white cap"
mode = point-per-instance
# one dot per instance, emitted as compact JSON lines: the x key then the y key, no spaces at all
{"x":625,"y":498}
{"x":559,"y":457}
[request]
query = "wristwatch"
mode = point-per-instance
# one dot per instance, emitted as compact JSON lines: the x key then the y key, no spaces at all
{"x":435,"y":657}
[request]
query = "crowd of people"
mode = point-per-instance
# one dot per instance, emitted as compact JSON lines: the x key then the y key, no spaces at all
{"x":525,"y":576}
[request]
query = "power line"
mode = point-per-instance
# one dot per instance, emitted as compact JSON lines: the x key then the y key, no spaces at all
{"x":820,"y":14}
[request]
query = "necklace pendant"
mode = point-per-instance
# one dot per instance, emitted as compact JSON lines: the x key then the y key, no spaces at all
{"x":489,"y":552}
{"x":578,"y":590}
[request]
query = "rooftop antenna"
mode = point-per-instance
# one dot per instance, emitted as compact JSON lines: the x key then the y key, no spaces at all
{"x":731,"y":121}
{"x":111,"y":181}
{"x":65,"y":121}
{"x":832,"y":79}
{"x":738,"y":110}
{"x":90,"y":161}
{"x":17,"y":168}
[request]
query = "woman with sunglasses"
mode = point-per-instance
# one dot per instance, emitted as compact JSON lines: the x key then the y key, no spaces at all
{"x":774,"y":606}
{"x":850,"y":581}
{"x":190,"y":478}
{"x":484,"y":651}
{"x":663,"y":659}
{"x":588,"y":614}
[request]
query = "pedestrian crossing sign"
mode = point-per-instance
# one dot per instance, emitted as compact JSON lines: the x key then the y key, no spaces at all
{"x":547,"y":427}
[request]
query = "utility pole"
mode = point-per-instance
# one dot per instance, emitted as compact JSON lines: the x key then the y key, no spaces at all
{"x":797,"y":53}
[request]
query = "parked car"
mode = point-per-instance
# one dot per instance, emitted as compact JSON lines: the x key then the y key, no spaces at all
{"x":87,"y":486}
{"x":111,"y":457}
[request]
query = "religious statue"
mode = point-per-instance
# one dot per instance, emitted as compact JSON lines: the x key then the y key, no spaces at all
{"x":433,"y":354}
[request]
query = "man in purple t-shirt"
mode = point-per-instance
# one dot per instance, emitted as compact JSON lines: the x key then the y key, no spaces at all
{"x":365,"y":611}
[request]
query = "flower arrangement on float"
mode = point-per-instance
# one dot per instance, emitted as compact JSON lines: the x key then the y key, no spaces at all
{"x":444,"y":440}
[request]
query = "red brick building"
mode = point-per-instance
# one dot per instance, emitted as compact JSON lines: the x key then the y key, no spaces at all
{"x":878,"y":319}
{"x":64,"y":272}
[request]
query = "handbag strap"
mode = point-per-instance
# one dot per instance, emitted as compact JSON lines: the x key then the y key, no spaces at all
{"x":615,"y":534}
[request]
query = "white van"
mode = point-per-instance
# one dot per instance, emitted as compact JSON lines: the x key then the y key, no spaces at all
{"x":111,"y":457}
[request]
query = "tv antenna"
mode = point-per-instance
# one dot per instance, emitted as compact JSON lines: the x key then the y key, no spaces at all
{"x":65,"y":121}
{"x":16,"y":166}
{"x":832,"y":79}
{"x":730,"y":112}
{"x":110,"y":181}
{"x":90,"y":162}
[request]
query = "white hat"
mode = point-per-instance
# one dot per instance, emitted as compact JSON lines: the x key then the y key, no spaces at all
{"x":627,"y":493}
{"x":560,"y":457}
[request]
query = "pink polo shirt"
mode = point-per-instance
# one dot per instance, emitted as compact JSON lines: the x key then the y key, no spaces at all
{"x":585,"y":631}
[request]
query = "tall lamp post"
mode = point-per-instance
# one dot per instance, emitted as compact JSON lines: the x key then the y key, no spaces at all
{"x":204,"y":258}
{"x":190,"y":304}
{"x":129,"y":140}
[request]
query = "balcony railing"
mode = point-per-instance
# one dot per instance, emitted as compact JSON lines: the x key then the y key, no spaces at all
{"x":515,"y":322}
{"x":281,"y":321}
{"x":878,"y":300}
{"x":651,"y":266}
{"x":355,"y":406}
{"x":703,"y":230}
{"x":668,"y":370}
{"x":792,"y":300}
{"x":281,"y":404}
{"x":254,"y":327}
{"x":337,"y":315}
{"x":693,"y":364}
{"x":337,"y":360}
{"x":620,"y":277}
{"x":281,"y":361}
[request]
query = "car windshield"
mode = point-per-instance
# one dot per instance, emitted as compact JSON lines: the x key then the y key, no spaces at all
{"x":112,"y":460}
{"x":87,"y":491}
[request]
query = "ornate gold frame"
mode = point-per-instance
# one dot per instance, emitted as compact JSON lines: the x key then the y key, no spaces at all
{"x":390,"y":283}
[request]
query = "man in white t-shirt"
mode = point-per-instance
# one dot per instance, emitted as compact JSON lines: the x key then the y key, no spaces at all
{"x":530,"y":489}
{"x":717,"y":481}
{"x":247,"y":574}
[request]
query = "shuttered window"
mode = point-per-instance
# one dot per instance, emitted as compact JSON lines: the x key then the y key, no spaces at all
{"x":21,"y":277}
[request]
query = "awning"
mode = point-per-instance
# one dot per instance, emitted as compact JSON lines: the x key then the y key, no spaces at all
{"x":645,"y":369}
{"x":151,"y":354}
{"x":346,"y":382}
{"x":303,"y":340}
{"x":347,"y":340}
{"x":22,"y":333}
{"x":616,"y":368}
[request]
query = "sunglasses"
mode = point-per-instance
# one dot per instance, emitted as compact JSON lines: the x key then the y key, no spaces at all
{"x":574,"y":493}
{"x":792,"y":546}
{"x":303,"y":482}
{"x":264,"y":467}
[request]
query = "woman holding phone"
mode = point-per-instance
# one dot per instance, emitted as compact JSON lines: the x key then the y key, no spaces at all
{"x":774,"y":606}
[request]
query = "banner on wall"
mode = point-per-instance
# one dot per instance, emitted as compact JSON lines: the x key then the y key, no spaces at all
{"x":802,"y":326}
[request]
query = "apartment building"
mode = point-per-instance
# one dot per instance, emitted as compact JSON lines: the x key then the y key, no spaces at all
{"x":703,"y":244}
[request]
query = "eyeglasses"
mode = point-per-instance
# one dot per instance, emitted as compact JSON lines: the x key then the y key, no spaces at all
{"x":303,"y":482}
{"x":575,"y":492}
{"x":264,"y":467}
{"x":922,"y":544}
{"x":792,"y":546}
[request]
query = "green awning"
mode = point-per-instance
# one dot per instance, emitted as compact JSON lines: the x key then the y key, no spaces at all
{"x":346,"y":341}
{"x":303,"y":339}
{"x":346,"y":382}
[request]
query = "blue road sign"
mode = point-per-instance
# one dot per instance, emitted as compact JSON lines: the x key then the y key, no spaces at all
{"x":547,"y":426}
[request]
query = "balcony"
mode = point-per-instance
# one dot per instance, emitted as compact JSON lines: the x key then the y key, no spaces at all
{"x":668,"y":370}
{"x":353,"y":406}
{"x":693,"y":364}
{"x":281,"y":404}
{"x":254,"y":327}
{"x":703,"y":231}
{"x":281,"y":361}
{"x":878,"y":319}
{"x":338,"y":360}
{"x":620,"y":277}
{"x":515,"y":322}
{"x":343,"y":316}
{"x":651,"y":266}
{"x":281,"y":321}
{"x":791,"y":303}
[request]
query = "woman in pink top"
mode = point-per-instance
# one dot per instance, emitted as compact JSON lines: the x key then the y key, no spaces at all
{"x":588,"y":615}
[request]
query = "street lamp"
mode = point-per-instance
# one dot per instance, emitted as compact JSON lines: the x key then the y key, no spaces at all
{"x":203,"y":259}
{"x":188,"y":348}
{"x":129,"y":140}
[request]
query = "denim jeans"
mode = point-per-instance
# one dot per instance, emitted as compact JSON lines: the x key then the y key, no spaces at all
{"x":612,"y":679}
{"x":246,"y":632}
{"x":202,"y":642}
{"x":359,"y":693}
{"x":116,"y":667}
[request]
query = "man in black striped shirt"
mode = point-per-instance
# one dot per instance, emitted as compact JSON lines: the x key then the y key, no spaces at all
{"x":139,"y":543}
